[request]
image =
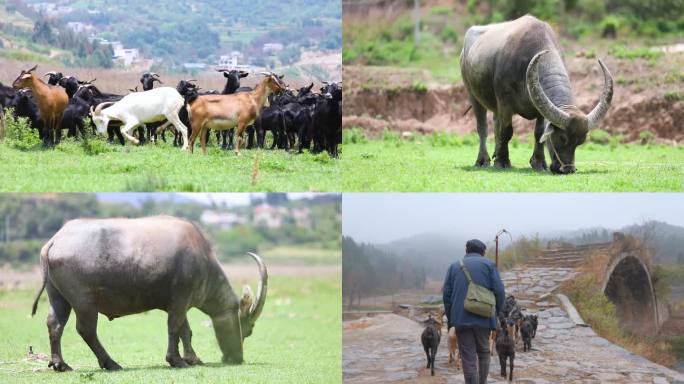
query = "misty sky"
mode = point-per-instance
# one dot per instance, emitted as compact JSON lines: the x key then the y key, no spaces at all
{"x":384,"y":217}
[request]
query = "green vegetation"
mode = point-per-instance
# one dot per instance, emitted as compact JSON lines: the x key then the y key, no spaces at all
{"x":178,"y":32}
{"x":368,"y":270}
{"x":298,"y":339}
{"x":375,"y":36}
{"x":444,"y":162}
{"x":585,"y":293}
{"x":32,"y":219}
{"x":157,"y":167}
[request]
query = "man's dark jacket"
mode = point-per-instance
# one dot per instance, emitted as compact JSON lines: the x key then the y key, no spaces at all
{"x":483,"y":272}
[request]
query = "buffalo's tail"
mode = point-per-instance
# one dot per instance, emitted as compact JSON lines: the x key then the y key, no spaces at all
{"x":44,"y":266}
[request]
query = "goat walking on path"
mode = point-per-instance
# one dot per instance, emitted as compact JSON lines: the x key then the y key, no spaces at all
{"x":430,"y":339}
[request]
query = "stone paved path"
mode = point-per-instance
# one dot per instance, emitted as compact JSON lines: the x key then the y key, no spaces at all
{"x":386,"y":348}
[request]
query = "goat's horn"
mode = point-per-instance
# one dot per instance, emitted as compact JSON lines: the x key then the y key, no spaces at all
{"x":223,"y":70}
{"x":32,"y":69}
{"x":155,"y":74}
{"x":49,"y":73}
{"x":191,"y":80}
{"x":100,"y":106}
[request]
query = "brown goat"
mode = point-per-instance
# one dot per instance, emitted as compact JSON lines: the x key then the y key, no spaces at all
{"x":51,"y":102}
{"x":223,"y":112}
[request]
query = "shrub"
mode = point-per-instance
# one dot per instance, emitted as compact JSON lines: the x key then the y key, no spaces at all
{"x":623,"y":52}
{"x":443,"y":139}
{"x":18,"y":133}
{"x":353,"y":136}
{"x":420,"y":86}
{"x":599,"y":136}
{"x":646,"y":137}
{"x":674,"y":96}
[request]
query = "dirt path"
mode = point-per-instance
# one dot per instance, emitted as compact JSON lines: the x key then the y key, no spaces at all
{"x":386,"y":348}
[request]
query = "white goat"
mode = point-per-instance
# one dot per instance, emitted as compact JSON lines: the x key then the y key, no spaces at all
{"x":138,"y":108}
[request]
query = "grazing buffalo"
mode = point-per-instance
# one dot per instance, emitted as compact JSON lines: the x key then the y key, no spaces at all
{"x":119,"y":267}
{"x":516,"y":67}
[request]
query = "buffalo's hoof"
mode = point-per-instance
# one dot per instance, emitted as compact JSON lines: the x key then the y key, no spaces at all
{"x":193,"y":360}
{"x":502,"y":163}
{"x":177,"y":362}
{"x":111,"y":365}
{"x":483,"y":161}
{"x":59,"y":366}
{"x":538,"y":165}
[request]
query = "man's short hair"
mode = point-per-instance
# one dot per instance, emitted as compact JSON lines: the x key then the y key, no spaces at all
{"x":476,"y":246}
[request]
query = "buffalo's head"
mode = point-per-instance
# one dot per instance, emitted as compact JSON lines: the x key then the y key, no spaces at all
{"x":234,"y":325}
{"x":565,"y":126}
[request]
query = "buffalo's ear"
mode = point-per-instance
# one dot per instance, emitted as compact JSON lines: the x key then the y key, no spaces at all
{"x":548,"y":131}
{"x":246,"y":300}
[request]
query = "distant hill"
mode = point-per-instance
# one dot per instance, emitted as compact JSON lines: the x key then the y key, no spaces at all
{"x":435,"y":251}
{"x":176,"y":32}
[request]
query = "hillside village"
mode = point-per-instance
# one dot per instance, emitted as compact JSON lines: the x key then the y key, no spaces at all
{"x":224,"y":42}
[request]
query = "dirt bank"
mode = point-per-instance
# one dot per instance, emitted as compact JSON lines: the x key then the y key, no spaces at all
{"x":645,"y":98}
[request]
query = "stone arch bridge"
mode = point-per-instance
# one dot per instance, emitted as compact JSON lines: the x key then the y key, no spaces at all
{"x":625,"y":277}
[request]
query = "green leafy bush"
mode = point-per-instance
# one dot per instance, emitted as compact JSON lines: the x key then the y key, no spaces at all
{"x":353,"y":136}
{"x":18,"y":133}
{"x":646,"y":137}
{"x":599,"y":136}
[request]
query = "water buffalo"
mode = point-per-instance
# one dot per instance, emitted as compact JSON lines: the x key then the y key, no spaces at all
{"x":119,"y":267}
{"x":516,"y":67}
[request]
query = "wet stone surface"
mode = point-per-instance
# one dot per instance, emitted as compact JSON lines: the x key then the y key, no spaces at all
{"x":387,"y":348}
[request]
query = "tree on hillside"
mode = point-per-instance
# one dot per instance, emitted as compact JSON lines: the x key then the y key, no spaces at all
{"x":42,"y":32}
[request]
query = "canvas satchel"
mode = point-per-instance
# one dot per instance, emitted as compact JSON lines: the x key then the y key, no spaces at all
{"x":479,"y":300}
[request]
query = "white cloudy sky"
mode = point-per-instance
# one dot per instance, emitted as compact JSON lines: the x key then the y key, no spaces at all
{"x":383,"y":217}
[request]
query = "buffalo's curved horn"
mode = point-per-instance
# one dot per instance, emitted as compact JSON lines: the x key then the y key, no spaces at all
{"x":258,"y":304}
{"x":599,"y":112}
{"x":555,"y":115}
{"x":100,"y":106}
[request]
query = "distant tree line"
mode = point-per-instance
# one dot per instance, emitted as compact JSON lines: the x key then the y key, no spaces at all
{"x":367,"y":271}
{"x":27,"y":221}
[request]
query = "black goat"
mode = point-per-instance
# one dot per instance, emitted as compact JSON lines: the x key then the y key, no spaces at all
{"x":147,"y":80}
{"x":327,"y":120}
{"x":505,"y":344}
{"x":25,"y":105}
{"x":430,"y":339}
{"x":232,"y":86}
{"x":527,"y":332}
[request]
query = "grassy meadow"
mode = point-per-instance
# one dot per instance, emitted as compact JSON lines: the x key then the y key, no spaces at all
{"x":444,"y":162}
{"x":161,"y":167}
{"x":297,"y":339}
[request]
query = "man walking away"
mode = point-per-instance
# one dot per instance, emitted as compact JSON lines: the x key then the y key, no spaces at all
{"x":472,"y":330}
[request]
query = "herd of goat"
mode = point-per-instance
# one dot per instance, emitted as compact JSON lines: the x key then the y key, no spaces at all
{"x":512,"y":325}
{"x":297,"y":120}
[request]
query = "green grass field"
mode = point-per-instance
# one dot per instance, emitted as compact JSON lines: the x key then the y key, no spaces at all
{"x":161,"y":167}
{"x":297,"y":339}
{"x":426,"y":164}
